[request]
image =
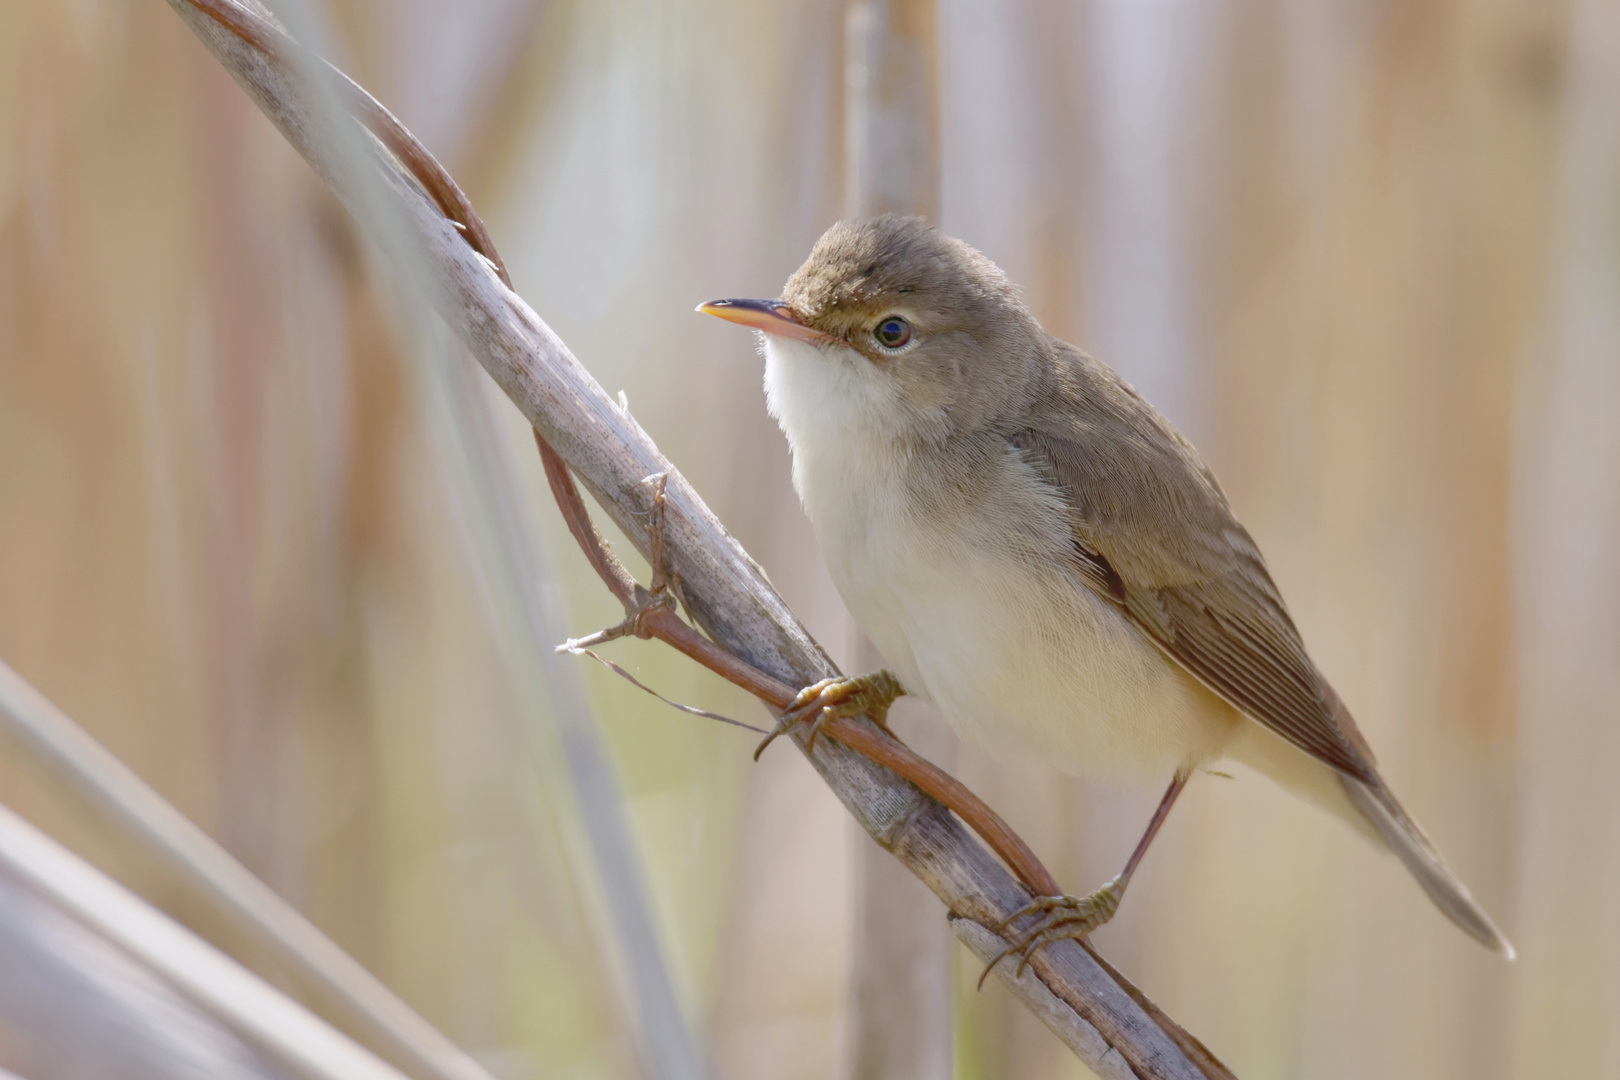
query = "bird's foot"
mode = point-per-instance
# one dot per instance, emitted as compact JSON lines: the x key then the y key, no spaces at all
{"x":835,"y":699}
{"x":1060,"y":917}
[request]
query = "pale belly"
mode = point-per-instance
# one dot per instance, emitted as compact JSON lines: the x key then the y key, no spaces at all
{"x":1026,"y":664}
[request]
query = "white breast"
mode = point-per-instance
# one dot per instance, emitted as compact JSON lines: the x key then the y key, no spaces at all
{"x":1019,"y":657}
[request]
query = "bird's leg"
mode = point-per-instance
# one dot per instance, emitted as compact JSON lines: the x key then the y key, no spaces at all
{"x":836,"y":698}
{"x":1077,"y":916}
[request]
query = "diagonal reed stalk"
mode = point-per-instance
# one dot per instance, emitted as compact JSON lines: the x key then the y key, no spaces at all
{"x":35,"y":729}
{"x":140,"y":1023}
{"x":752,"y":638}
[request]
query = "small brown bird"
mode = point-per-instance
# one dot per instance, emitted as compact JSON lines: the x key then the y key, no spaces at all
{"x":1037,"y":551}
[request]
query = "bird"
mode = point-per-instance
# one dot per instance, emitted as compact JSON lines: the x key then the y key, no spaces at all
{"x":1037,"y":551}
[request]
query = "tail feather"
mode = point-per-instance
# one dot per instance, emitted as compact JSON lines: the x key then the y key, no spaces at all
{"x":1372,"y":810}
{"x":1414,"y":849}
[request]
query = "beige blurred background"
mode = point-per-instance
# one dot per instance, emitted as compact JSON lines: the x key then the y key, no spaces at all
{"x":1366,"y":254}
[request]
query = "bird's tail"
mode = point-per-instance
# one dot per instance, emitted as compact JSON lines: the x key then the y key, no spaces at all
{"x":1412,"y":847}
{"x":1373,"y":811}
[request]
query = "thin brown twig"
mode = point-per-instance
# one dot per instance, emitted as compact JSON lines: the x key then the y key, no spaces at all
{"x":655,"y":526}
{"x":693,"y":710}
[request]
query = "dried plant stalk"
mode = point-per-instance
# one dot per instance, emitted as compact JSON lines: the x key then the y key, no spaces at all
{"x":137,"y":986}
{"x":141,"y":818}
{"x":753,"y":639}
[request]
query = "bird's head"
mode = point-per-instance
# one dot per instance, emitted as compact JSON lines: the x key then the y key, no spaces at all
{"x":893,"y":330}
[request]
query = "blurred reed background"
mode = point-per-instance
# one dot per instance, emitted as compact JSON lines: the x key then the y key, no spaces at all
{"x":1365,"y":254}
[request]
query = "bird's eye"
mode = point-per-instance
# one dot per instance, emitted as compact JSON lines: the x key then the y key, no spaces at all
{"x":893,"y":332}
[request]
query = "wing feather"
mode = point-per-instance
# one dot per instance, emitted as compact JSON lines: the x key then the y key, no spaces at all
{"x":1154,"y":534}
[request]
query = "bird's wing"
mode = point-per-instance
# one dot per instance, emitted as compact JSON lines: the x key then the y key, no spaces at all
{"x":1153,"y":533}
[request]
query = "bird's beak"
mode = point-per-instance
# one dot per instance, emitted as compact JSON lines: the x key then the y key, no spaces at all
{"x":770,"y":316}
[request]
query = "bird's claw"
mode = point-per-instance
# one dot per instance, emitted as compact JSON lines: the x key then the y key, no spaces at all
{"x":1062,"y":917}
{"x":834,"y":699}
